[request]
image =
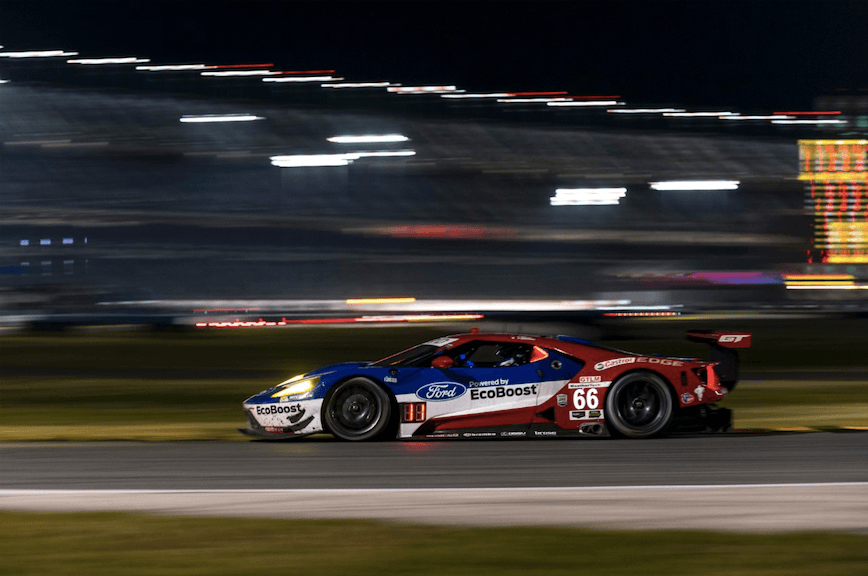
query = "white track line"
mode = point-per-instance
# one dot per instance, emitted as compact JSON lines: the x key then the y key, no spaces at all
{"x":50,"y":491}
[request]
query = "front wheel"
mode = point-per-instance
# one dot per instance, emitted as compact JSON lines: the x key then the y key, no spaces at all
{"x":639,"y":405}
{"x":358,"y":409}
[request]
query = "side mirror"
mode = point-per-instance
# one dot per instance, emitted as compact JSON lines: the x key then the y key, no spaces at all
{"x":442,"y":362}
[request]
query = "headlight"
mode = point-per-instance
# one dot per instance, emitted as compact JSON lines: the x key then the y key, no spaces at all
{"x":296,"y":385}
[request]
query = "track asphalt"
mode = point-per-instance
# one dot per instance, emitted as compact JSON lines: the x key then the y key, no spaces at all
{"x":753,"y":483}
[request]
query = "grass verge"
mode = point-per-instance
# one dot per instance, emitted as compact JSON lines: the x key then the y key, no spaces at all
{"x":132,"y":544}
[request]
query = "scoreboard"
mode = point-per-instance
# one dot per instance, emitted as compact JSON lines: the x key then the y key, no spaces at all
{"x":836,"y":178}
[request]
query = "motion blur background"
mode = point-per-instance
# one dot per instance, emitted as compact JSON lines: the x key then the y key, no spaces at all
{"x":260,"y":162}
{"x":607,"y":169}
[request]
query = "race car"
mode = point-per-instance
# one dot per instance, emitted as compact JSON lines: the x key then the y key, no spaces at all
{"x":503,"y":386}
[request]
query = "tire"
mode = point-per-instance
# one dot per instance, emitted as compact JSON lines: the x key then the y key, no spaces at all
{"x":357,"y":410}
{"x":639,"y":405}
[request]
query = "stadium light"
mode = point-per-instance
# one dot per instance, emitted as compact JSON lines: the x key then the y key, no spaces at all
{"x":310,"y":160}
{"x":366,"y":139}
{"x":171,"y":67}
{"x":221,"y":118}
{"x":359,"y":85}
{"x":303,"y":79}
{"x":587,"y":103}
{"x":103,"y":61}
{"x":587,"y":196}
{"x":37,"y":54}
{"x":696,"y":185}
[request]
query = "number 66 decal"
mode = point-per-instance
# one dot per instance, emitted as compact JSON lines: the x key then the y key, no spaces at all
{"x":586,"y":398}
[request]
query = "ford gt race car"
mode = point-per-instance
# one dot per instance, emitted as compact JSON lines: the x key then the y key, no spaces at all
{"x":503,"y":385}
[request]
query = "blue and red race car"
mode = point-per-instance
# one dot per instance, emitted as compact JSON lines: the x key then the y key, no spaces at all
{"x":503,"y":385}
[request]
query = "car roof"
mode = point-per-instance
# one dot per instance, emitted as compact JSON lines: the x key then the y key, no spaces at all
{"x":567,"y":344}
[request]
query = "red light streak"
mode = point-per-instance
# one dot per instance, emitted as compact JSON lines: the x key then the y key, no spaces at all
{"x":239,"y":324}
{"x":207,"y":310}
{"x":322,"y":321}
{"x":418,"y":446}
{"x":358,"y":319}
{"x":445,"y":231}
{"x":631,"y":314}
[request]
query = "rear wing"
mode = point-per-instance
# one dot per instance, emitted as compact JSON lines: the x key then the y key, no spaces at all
{"x":724,"y":351}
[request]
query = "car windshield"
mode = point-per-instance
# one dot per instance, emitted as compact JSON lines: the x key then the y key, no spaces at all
{"x":415,"y":356}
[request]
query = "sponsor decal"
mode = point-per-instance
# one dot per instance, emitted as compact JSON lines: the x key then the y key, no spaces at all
{"x":270,"y":409}
{"x":513,"y":433}
{"x":440,"y":391}
{"x":545,"y":433}
{"x":612,"y":363}
{"x":661,"y":361}
{"x":508,"y":392}
{"x":495,"y":382}
{"x":295,"y":417}
{"x":586,"y":414}
{"x":590,"y":378}
{"x":586,"y":398}
{"x":733,"y":337}
{"x":562,"y":400}
{"x":440,"y":342}
{"x":699,"y":391}
{"x":687,"y":398}
{"x":575,"y":385}
{"x":600,"y":366}
{"x":479,"y":434}
{"x":390,"y":379}
{"x":450,"y":435}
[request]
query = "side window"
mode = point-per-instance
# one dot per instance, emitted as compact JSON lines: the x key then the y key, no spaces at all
{"x":490,"y":355}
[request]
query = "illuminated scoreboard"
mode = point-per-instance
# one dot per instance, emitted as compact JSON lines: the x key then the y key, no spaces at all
{"x":837,"y":193}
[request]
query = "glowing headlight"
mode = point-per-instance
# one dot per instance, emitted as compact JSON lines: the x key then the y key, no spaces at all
{"x":296,"y":385}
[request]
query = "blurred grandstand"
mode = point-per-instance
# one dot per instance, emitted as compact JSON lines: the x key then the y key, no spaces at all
{"x":146,"y":191}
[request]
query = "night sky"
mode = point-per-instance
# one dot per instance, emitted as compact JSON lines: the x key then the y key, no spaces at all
{"x":738,"y":54}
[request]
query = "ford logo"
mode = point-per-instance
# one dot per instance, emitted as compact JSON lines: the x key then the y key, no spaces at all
{"x":441,"y":391}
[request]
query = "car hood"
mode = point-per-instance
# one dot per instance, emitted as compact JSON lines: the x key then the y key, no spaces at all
{"x":265,"y":395}
{"x":343,"y":366}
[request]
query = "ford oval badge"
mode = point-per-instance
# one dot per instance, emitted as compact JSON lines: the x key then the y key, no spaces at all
{"x":439,"y":391}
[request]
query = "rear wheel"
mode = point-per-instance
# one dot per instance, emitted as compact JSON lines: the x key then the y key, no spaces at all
{"x":639,"y":405}
{"x":358,"y":409}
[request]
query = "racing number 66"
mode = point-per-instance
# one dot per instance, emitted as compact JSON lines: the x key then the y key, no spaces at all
{"x":586,"y":398}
